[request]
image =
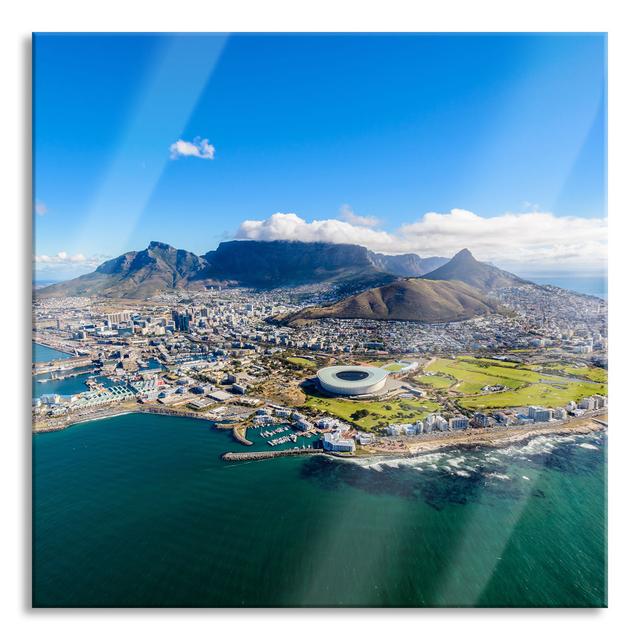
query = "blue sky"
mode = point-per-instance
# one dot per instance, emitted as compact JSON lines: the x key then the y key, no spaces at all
{"x":423,"y":143}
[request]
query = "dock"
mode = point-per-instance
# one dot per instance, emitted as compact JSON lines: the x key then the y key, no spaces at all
{"x":244,"y":456}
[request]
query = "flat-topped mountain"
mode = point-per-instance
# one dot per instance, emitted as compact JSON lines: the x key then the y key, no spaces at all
{"x":463,"y":267}
{"x":406,"y":265}
{"x":267,"y":265}
{"x":264,"y":265}
{"x":289,"y":263}
{"x":414,"y":299}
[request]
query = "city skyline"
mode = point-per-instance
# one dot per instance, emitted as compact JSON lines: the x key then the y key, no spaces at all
{"x":417,"y":143}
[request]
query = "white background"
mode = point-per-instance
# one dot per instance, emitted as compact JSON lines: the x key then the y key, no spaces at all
{"x":19,"y":19}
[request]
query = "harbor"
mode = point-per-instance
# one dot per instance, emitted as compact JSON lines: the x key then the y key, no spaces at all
{"x":282,"y":435}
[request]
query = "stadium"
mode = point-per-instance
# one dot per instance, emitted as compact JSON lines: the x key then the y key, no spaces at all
{"x":352,"y":380}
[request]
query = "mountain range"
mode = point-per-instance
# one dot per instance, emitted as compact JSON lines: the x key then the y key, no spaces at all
{"x":457,"y":290}
{"x":263,"y":265}
{"x":370,"y":285}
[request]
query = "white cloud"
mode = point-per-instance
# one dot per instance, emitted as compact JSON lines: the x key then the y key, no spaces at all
{"x":62,"y":259}
{"x":348,"y":215}
{"x":530,"y":240}
{"x":289,"y":226}
{"x":199,"y":148}
{"x":40,"y":208}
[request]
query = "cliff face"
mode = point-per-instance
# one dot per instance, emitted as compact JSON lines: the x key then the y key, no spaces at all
{"x":159,"y":267}
{"x":283,"y":263}
{"x":406,"y":265}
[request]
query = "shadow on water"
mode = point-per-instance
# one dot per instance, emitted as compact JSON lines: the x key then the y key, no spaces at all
{"x":526,"y":488}
{"x":442,"y":483}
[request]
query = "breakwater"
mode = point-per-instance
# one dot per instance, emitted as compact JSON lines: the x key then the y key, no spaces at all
{"x":238,"y":434}
{"x":243,"y":456}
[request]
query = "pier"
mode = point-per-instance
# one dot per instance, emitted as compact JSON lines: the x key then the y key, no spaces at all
{"x":61,"y":365}
{"x":244,"y":456}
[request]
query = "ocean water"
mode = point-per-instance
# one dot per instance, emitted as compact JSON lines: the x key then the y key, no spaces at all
{"x":591,"y":285}
{"x":45,"y":354}
{"x":139,"y":510}
{"x":65,"y":387}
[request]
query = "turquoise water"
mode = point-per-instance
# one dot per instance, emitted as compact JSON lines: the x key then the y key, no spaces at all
{"x":139,"y":510}
{"x":45,"y":354}
{"x":69,"y":386}
{"x":66,"y":387}
{"x":253,"y":435}
{"x":591,"y":285}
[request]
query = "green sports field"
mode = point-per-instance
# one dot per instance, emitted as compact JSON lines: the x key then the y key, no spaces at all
{"x":595,"y":374}
{"x":435,"y":381}
{"x":378,"y":412}
{"x":303,"y":362}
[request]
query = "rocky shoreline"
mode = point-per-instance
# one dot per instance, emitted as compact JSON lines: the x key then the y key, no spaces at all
{"x":244,"y":456}
{"x":489,"y":437}
{"x":110,"y":412}
{"x":496,"y":439}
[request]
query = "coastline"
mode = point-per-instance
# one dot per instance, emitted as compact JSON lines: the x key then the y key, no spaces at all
{"x":492,"y":440}
{"x":56,"y":347}
{"x":408,"y":447}
{"x":111,"y":412}
{"x":507,"y":437}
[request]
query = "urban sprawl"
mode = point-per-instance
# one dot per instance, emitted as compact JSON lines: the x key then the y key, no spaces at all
{"x":219,"y":355}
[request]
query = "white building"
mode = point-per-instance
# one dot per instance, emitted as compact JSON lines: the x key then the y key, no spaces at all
{"x":600,"y":401}
{"x":333,"y":441}
{"x":588,"y":404}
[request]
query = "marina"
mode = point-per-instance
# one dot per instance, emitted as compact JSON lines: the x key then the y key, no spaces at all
{"x":283,"y":436}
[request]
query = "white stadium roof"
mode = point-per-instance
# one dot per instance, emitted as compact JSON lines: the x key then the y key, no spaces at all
{"x":352,"y":380}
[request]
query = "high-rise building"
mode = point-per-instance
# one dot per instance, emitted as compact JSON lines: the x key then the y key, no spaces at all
{"x":181,"y":320}
{"x":542,"y":415}
{"x":481,"y":419}
{"x":458,"y":422}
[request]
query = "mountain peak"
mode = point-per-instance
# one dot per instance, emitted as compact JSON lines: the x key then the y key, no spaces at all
{"x":465,"y":268}
{"x":154,"y":244}
{"x":463,"y":254}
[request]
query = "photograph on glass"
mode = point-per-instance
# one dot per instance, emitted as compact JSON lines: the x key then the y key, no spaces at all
{"x":319,"y":320}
